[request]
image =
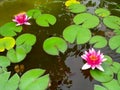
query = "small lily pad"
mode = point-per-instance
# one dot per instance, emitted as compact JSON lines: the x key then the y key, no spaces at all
{"x":98,"y":41}
{"x":53,"y":45}
{"x":98,"y":87}
{"x":112,"y":22}
{"x":4,"y":61}
{"x":77,"y":8}
{"x":46,"y":20}
{"x":74,"y":33}
{"x":102,"y":12}
{"x":87,"y":20}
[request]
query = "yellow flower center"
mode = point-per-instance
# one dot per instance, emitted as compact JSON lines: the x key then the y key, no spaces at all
{"x":93,"y":58}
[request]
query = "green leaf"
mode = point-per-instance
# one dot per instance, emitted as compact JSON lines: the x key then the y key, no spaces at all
{"x":12,"y":83}
{"x":74,"y":33}
{"x":6,"y":43}
{"x":77,"y":8}
{"x":87,"y":20}
{"x":109,"y":60}
{"x":4,"y":61}
{"x":34,"y":13}
{"x":118,"y":76}
{"x":53,"y":45}
{"x":45,"y":20}
{"x":114,"y":43}
{"x":98,"y":41}
{"x":10,"y":29}
{"x":112,"y":22}
{"x":112,"y":85}
{"x":98,"y":87}
{"x":115,"y":67}
{"x":30,"y":77}
{"x":27,"y":39}
{"x":100,"y":76}
{"x":39,"y":84}
{"x":117,"y":31}
{"x":102,"y":12}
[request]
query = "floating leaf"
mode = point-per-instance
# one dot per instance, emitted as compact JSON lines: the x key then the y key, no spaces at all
{"x":117,"y":31}
{"x":112,"y":22}
{"x":112,"y":85}
{"x":102,"y":12}
{"x":98,"y":87}
{"x":77,"y":8}
{"x":4,"y":61}
{"x":10,"y":29}
{"x":75,"y":33}
{"x":6,"y":43}
{"x":114,"y":43}
{"x":34,"y":75}
{"x":118,"y":76}
{"x":115,"y":67}
{"x":87,"y":20}
{"x":34,"y":13}
{"x":105,"y":76}
{"x":109,"y":60}
{"x":45,"y":20}
{"x":53,"y":45}
{"x":99,"y":41}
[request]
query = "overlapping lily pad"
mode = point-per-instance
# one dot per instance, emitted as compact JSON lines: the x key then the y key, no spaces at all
{"x":87,"y":20}
{"x":53,"y":45}
{"x":98,"y":87}
{"x":112,"y":22}
{"x":4,"y":61}
{"x":76,"y":33}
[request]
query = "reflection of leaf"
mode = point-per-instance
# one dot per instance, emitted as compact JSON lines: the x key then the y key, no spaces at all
{"x":98,"y":87}
{"x":114,"y":43}
{"x":33,"y":79}
{"x":77,"y":8}
{"x":86,"y":20}
{"x":102,"y":12}
{"x":99,"y":41}
{"x":45,"y":20}
{"x":76,"y":33}
{"x":10,"y":29}
{"x":112,"y":22}
{"x":4,"y":61}
{"x":6,"y":43}
{"x":53,"y":45}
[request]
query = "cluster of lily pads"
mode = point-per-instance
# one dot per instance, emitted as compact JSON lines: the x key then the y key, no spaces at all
{"x":80,"y":32}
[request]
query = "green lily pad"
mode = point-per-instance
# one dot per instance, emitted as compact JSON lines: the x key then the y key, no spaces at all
{"x":46,"y":20}
{"x":4,"y":61}
{"x":77,"y":8}
{"x":109,"y":60}
{"x":112,"y":85}
{"x":112,"y":22}
{"x":53,"y":45}
{"x":76,"y":33}
{"x":34,"y":75}
{"x":114,"y":43}
{"x":6,"y":43}
{"x":10,"y":29}
{"x":87,"y":20}
{"x":118,"y":76}
{"x":115,"y":67}
{"x":98,"y":41}
{"x":98,"y":87}
{"x":102,"y":12}
{"x":100,"y":76}
{"x":117,"y":32}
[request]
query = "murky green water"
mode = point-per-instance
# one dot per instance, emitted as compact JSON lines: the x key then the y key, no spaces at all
{"x":65,"y":70}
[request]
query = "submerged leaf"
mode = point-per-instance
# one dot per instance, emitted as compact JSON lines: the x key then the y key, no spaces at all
{"x":53,"y":45}
{"x":76,"y":33}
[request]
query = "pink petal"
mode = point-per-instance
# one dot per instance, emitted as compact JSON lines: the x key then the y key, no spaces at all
{"x":27,"y":23}
{"x":100,"y":68}
{"x":86,"y":66}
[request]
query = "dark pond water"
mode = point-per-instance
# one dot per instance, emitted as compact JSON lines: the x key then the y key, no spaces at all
{"x":65,"y":70}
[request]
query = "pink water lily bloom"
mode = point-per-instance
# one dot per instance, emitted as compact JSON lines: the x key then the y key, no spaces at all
{"x":93,"y":60}
{"x":21,"y":19}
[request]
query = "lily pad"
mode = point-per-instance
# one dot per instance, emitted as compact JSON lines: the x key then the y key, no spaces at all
{"x":112,"y":22}
{"x":109,"y":60}
{"x":118,"y":76}
{"x":98,"y":87}
{"x":98,"y":41}
{"x":46,"y":20}
{"x":4,"y":61}
{"x":76,"y":33}
{"x":117,"y":32}
{"x":102,"y":12}
{"x":87,"y":20}
{"x":6,"y":43}
{"x":10,"y":29}
{"x":53,"y":45}
{"x":77,"y":8}
{"x":115,"y":67}
{"x":114,"y":43}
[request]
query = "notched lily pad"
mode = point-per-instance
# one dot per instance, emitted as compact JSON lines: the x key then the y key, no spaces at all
{"x":87,"y":20}
{"x":98,"y":41}
{"x":46,"y":20}
{"x":53,"y":45}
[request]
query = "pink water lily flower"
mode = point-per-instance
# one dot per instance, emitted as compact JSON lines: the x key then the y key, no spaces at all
{"x":21,"y":19}
{"x":93,"y":59}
